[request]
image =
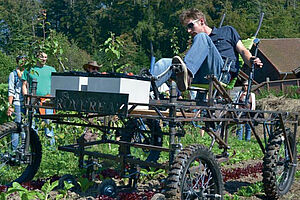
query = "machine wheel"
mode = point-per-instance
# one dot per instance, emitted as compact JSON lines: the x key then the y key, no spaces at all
{"x":195,"y":174}
{"x":69,"y":179}
{"x":108,"y":188}
{"x":278,"y":172}
{"x":14,"y":166}
{"x":141,"y":132}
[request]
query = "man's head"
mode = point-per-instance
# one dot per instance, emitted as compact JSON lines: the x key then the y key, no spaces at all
{"x":20,"y":60}
{"x":194,"y":21}
{"x":91,"y":67}
{"x":42,"y":59}
{"x":245,"y":84}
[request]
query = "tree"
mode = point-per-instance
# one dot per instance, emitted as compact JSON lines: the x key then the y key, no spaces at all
{"x":7,"y":65}
{"x":18,"y":24}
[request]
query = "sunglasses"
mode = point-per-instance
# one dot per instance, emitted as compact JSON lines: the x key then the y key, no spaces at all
{"x":191,"y":24}
{"x":93,"y":68}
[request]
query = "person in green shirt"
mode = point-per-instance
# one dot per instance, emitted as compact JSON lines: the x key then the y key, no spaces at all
{"x":42,"y":73}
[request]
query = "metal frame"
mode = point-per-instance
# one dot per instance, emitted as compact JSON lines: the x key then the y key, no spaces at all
{"x":176,"y":112}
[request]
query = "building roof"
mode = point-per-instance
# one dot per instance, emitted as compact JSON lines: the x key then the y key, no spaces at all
{"x":283,"y":53}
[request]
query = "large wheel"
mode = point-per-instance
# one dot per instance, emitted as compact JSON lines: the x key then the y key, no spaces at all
{"x":14,"y":165}
{"x":195,"y":174}
{"x":143,"y":132}
{"x":278,"y":171}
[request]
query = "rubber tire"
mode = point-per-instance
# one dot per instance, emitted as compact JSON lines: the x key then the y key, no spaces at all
{"x":178,"y":171}
{"x":69,"y":179}
{"x":132,"y":129}
{"x":108,"y":188}
{"x":273,"y":189}
{"x":36,"y":149}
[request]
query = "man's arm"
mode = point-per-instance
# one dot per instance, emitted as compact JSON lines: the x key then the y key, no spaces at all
{"x":11,"y":93}
{"x":253,"y":103}
{"x":10,"y":108}
{"x":247,"y":56}
{"x":24,"y":87}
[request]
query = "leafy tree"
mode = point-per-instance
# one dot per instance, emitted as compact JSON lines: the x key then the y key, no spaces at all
{"x":121,"y":54}
{"x":18,"y":24}
{"x":7,"y":64}
{"x":87,"y":24}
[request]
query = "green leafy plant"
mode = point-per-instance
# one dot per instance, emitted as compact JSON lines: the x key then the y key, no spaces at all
{"x":23,"y":193}
{"x":151,"y":174}
{"x":231,"y":197}
{"x":4,"y":104}
{"x":64,"y":192}
{"x":26,"y":194}
{"x":174,"y":41}
{"x":46,"y":189}
{"x":297,"y":175}
{"x":112,"y":47}
{"x":251,"y":190}
{"x":84,"y":183}
{"x":289,"y":92}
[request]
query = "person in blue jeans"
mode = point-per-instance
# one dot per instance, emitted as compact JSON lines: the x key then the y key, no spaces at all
{"x":241,"y":96}
{"x":207,"y":55}
{"x":42,"y":74}
{"x":15,"y":97}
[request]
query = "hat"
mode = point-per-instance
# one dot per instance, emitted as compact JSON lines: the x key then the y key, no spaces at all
{"x":245,"y":82}
{"x":91,"y":63}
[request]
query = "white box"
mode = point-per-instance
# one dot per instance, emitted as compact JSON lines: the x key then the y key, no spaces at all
{"x":137,"y":88}
{"x":76,"y":83}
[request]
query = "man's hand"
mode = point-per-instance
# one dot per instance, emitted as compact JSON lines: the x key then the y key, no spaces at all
{"x":256,"y":61}
{"x":10,"y":111}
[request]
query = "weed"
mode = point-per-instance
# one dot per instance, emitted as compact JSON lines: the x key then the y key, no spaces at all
{"x":84,"y":184}
{"x":22,"y":192}
{"x":251,"y":190}
{"x":231,"y":197}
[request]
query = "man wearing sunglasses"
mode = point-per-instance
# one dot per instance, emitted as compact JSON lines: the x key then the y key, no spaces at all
{"x":207,"y":55}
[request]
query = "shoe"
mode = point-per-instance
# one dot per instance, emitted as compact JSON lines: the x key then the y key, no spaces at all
{"x":181,"y":72}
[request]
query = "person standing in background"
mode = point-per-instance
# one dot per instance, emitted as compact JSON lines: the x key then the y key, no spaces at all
{"x":241,"y":98}
{"x":15,"y":97}
{"x":42,"y":74}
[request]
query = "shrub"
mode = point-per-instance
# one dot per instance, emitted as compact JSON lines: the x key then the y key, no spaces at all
{"x":73,"y":58}
{"x":7,"y":64}
{"x":3,"y":103}
{"x":289,"y":92}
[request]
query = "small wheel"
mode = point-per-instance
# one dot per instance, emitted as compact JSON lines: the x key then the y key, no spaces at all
{"x":108,"y":188}
{"x":195,"y":174}
{"x":278,"y":171}
{"x":141,"y":132}
{"x":14,"y":165}
{"x":69,"y":179}
{"x":158,"y":196}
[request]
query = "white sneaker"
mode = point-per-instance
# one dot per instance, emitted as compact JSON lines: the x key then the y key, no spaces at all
{"x":181,"y":72}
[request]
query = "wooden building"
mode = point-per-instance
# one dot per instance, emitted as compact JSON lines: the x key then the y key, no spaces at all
{"x":281,"y":58}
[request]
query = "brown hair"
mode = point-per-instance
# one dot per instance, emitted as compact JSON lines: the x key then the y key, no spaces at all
{"x":192,"y":13}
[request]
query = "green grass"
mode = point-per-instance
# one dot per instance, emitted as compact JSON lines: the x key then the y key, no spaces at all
{"x":60,"y":162}
{"x":290,"y":92}
{"x":240,"y":150}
